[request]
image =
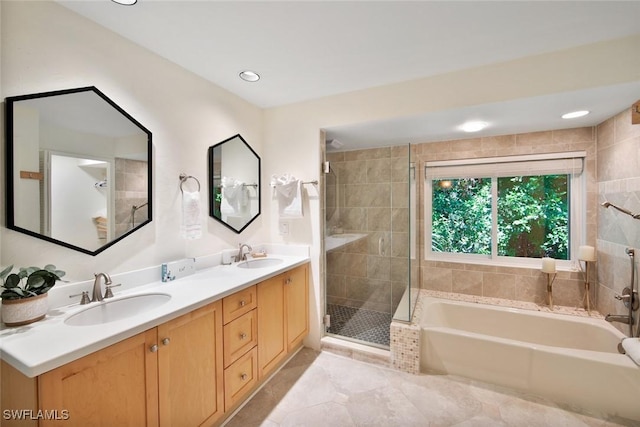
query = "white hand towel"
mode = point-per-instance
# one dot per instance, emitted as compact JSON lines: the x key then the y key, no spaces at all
{"x":289,"y":195}
{"x":632,"y":348}
{"x":232,"y":195}
{"x":191,"y":227}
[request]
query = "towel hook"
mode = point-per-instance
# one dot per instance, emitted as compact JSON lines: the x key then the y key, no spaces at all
{"x":184,"y":177}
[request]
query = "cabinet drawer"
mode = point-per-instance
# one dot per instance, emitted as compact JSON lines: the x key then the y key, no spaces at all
{"x":239,"y":336}
{"x":238,"y":304}
{"x":240,"y":377}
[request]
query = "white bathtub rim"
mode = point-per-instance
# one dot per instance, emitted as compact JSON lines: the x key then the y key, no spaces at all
{"x":598,"y":322}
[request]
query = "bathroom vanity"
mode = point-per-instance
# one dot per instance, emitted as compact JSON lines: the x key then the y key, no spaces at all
{"x":194,"y":362}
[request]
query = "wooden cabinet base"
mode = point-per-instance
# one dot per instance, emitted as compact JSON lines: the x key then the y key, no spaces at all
{"x":173,"y":374}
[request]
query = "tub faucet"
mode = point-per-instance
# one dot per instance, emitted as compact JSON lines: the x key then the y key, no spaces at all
{"x":97,"y":289}
{"x":629,"y":297}
{"x":242,"y":256}
{"x":622,"y":318}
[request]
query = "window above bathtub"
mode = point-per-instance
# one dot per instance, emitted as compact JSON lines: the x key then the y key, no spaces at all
{"x":505,"y":210}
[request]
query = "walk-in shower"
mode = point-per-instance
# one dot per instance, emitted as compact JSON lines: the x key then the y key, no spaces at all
{"x":370,"y":241}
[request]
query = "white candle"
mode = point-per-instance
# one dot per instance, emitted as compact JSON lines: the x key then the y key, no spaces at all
{"x":548,"y":265}
{"x":587,"y":253}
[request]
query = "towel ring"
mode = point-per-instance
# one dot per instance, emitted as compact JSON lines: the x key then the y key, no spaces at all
{"x":184,"y":177}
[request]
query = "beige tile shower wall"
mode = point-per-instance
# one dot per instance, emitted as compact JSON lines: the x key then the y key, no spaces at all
{"x":131,"y":189}
{"x":521,"y":284}
{"x":369,"y":196}
{"x":618,"y":182}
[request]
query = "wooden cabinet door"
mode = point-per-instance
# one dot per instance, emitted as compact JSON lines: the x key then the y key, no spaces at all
{"x":272,"y":346}
{"x":190,"y":379}
{"x":296,"y":285}
{"x":116,"y":386}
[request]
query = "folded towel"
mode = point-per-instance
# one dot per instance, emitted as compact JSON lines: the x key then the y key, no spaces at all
{"x":101,"y":226}
{"x":191,"y":227}
{"x":632,"y":348}
{"x":289,"y":195}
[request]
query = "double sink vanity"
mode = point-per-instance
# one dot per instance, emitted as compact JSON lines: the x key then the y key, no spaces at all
{"x":184,"y":352}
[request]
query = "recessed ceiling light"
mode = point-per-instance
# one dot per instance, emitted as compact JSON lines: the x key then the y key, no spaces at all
{"x":125,"y":2}
{"x":575,"y":114}
{"x":249,"y":76}
{"x":473,"y":126}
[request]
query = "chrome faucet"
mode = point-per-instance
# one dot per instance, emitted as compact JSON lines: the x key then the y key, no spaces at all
{"x":97,"y":289}
{"x":242,"y":256}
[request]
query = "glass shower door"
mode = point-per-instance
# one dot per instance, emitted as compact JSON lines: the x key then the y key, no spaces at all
{"x":367,"y":235}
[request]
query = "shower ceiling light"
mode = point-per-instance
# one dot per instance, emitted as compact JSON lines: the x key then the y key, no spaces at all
{"x":575,"y":114}
{"x":249,"y":76}
{"x":473,"y":126}
{"x":125,"y":2}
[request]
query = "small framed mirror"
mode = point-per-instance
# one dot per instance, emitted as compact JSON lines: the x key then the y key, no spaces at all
{"x":78,"y":169}
{"x":234,"y":183}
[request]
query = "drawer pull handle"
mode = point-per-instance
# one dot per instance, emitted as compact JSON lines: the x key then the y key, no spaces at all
{"x":166,"y":341}
{"x":242,"y":303}
{"x":153,"y":348}
{"x":288,"y":281}
{"x":243,"y":377}
{"x":243,"y":336}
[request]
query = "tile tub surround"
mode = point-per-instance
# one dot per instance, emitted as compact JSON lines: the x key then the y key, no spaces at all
{"x":131,"y":178}
{"x":23,"y":348}
{"x":509,"y":283}
{"x":322,"y":389}
{"x":618,"y":182}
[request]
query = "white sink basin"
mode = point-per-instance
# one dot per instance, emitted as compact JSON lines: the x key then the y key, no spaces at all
{"x":260,"y":263}
{"x":110,"y":311}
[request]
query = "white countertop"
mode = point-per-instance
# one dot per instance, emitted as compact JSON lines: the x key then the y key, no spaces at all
{"x":47,"y":344}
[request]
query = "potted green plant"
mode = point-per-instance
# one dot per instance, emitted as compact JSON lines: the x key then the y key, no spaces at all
{"x":24,"y":294}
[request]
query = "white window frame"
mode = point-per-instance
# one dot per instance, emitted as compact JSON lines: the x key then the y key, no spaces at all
{"x":571,"y":163}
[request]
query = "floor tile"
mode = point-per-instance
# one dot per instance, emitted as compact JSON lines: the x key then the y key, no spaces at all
{"x":324,"y":389}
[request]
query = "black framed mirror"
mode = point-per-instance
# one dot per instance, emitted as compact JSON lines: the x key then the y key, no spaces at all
{"x":234,"y":183}
{"x":78,"y":169}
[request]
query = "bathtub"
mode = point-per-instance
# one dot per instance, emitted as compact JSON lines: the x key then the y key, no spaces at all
{"x":567,"y":359}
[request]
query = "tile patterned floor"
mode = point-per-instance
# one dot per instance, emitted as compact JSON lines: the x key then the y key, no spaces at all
{"x":324,"y":389}
{"x":365,"y":325}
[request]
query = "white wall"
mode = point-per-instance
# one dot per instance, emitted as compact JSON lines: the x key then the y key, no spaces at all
{"x":46,"y":47}
{"x":292,"y":132}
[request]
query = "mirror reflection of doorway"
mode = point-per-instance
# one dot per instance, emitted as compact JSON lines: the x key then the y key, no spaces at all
{"x":77,"y":199}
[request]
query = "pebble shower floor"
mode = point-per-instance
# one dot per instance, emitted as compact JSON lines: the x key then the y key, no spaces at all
{"x":365,"y":325}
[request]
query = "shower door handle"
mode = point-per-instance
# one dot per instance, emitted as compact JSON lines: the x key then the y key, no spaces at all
{"x":381,"y":246}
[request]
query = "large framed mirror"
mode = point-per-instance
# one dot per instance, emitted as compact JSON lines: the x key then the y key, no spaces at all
{"x":78,"y":169}
{"x":234,"y":183}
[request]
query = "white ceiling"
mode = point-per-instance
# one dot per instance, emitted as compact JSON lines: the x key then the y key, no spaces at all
{"x":311,"y":49}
